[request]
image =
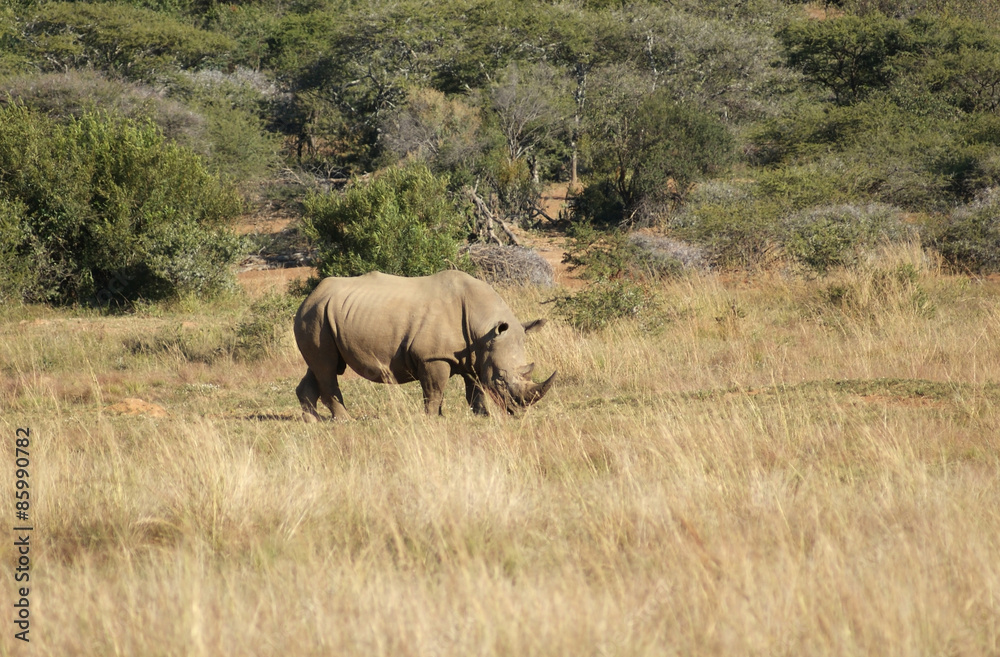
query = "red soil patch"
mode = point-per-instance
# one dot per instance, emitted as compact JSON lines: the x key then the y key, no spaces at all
{"x":133,"y":406}
{"x":549,"y":242}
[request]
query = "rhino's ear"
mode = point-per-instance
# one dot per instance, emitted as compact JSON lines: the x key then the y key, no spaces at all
{"x":533,"y":326}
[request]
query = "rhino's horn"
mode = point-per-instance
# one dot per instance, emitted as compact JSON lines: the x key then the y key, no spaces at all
{"x":537,"y":390}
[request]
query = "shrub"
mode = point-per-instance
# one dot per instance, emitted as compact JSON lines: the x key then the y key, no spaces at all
{"x":512,"y":189}
{"x":800,"y":212}
{"x":266,"y":327}
{"x":439,"y":130}
{"x":969,"y":238}
{"x":607,"y":255}
{"x":18,"y":254}
{"x":104,"y":210}
{"x":870,"y":291}
{"x":231,"y":106}
{"x":605,"y":302}
{"x":833,"y":236}
{"x":401,"y":222}
{"x":13,"y":46}
{"x":599,"y":204}
{"x":215,"y":120}
{"x":668,"y":255}
{"x":746,"y":234}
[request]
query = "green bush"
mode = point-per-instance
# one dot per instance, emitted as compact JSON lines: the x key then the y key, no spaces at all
{"x":266,"y":327}
{"x":211,"y":113}
{"x":833,"y":236}
{"x":103,"y":210}
{"x":599,"y":204}
{"x":605,"y":302}
{"x":745,"y":234}
{"x":13,"y":47}
{"x":20,"y":278}
{"x":786,"y":214}
{"x":969,"y":237}
{"x":401,"y":222}
{"x":607,"y":255}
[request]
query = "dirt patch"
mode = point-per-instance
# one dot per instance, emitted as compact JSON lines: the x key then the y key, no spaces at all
{"x":550,"y":239}
{"x":267,"y":219}
{"x":553,"y":250}
{"x":134,"y":406}
{"x":258,"y":282}
{"x":555,"y":201}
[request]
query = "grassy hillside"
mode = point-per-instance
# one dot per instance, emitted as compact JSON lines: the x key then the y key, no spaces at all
{"x":774,"y":470}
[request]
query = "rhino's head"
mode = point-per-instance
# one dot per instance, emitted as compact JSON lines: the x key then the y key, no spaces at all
{"x":504,"y":370}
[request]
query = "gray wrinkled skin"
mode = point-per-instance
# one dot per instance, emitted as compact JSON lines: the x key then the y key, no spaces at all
{"x":391,"y":329}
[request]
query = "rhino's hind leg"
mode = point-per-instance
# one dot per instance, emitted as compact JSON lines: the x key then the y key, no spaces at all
{"x":325,"y":387}
{"x":329,"y":392}
{"x":308,"y":394}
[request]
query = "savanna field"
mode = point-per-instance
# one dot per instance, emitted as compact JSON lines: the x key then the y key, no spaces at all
{"x":765,"y":235}
{"x":776,"y":465}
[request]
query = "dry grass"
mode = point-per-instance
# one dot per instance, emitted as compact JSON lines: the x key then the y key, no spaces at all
{"x":778,"y":472}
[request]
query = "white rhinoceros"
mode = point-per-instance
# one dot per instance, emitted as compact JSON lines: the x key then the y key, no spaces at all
{"x":391,"y":329}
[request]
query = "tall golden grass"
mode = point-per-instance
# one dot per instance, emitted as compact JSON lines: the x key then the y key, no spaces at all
{"x":790,"y":467}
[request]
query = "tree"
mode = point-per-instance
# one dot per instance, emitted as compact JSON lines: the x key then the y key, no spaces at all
{"x":442,"y":131}
{"x":849,"y":56}
{"x":525,"y":105}
{"x":129,"y":41}
{"x":583,"y":40}
{"x":654,"y":146}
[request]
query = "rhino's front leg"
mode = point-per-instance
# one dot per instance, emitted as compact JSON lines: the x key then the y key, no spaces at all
{"x":433,"y":378}
{"x":474,"y":396}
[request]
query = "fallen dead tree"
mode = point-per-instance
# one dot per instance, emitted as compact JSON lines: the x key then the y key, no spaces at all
{"x":487,"y":222}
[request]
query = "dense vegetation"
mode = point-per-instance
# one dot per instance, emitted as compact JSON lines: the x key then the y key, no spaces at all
{"x":761,"y":131}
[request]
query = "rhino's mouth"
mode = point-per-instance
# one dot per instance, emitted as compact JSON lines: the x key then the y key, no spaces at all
{"x":522,"y":392}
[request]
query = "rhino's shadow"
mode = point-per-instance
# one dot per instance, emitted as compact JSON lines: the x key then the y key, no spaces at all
{"x":265,"y":417}
{"x":296,"y":417}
